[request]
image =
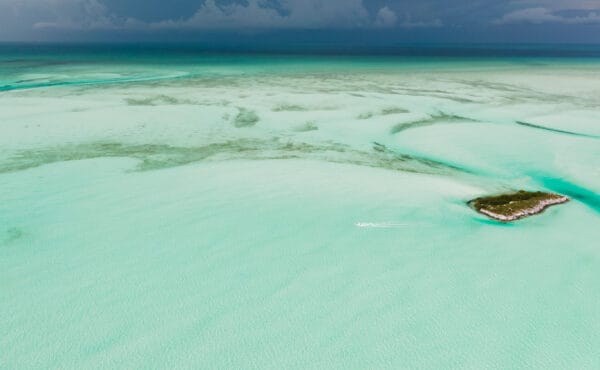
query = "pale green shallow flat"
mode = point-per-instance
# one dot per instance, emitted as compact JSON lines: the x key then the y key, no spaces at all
{"x":299,"y":214}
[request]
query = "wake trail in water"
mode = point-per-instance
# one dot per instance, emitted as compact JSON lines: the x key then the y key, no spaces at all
{"x":381,"y":225}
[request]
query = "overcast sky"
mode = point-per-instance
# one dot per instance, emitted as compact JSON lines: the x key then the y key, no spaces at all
{"x":387,"y":20}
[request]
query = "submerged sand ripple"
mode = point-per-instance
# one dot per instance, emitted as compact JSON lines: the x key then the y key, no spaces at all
{"x":157,"y":156}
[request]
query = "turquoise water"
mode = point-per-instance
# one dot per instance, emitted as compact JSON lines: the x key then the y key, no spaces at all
{"x":176,"y":210}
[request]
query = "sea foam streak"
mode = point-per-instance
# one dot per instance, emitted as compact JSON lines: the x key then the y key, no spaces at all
{"x":382,"y":225}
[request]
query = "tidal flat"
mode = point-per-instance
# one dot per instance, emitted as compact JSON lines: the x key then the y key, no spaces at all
{"x":218,"y":211}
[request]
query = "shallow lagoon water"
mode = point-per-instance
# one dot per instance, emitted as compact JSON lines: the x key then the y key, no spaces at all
{"x":296,"y":212}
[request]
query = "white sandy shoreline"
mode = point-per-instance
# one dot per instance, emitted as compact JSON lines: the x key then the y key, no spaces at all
{"x":540,"y":207}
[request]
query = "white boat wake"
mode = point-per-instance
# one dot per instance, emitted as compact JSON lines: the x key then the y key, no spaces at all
{"x":380,"y":225}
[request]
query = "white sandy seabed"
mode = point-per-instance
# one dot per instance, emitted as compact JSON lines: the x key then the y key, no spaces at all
{"x":252,"y":222}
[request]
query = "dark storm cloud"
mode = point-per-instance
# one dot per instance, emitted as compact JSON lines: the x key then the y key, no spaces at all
{"x":31,"y":19}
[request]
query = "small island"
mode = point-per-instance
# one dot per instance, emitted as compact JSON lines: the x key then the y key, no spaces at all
{"x":514,"y":206}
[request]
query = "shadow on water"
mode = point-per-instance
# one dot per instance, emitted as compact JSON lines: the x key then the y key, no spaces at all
{"x":487,"y":221}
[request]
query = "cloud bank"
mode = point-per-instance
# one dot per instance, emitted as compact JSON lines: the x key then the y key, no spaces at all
{"x":553,"y":11}
{"x":258,"y":14}
{"x":252,"y":14}
{"x":36,"y":19}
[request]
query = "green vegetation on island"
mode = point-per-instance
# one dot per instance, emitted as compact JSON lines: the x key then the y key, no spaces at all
{"x":513,"y":206}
